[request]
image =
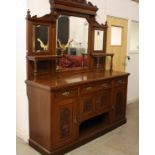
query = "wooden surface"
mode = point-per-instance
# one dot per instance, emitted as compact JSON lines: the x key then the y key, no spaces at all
{"x":70,"y":79}
{"x":70,"y":108}
{"x":68,"y":111}
{"x":44,"y":57}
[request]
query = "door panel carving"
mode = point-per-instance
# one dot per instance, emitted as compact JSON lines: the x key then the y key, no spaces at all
{"x":65,"y":127}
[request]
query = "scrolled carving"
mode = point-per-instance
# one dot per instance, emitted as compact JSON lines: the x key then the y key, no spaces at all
{"x":52,"y":17}
{"x":57,"y":5}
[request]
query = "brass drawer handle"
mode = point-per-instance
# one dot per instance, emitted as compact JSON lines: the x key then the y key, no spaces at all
{"x":89,"y":88}
{"x":105,"y":85}
{"x":120,"y":82}
{"x":66,"y":93}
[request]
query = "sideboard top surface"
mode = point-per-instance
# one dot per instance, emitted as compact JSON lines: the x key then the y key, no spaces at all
{"x":68,"y":80}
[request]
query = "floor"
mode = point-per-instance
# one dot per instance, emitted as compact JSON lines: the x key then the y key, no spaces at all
{"x":121,"y":141}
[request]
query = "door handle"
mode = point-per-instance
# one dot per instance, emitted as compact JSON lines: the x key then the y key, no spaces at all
{"x":89,"y":88}
{"x":128,"y":57}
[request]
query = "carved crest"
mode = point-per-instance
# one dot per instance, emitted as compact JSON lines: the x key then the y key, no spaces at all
{"x":78,"y":1}
{"x":66,"y":5}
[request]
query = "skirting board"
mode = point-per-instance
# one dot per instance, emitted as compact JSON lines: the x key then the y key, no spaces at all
{"x":22,"y":135}
{"x":132,"y":100}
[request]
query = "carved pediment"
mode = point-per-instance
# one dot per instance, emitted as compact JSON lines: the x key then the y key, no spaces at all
{"x":52,"y":17}
{"x":78,"y":1}
{"x":78,"y":6}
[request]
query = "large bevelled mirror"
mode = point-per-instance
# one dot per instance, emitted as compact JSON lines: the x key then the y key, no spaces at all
{"x":40,"y":38}
{"x":72,"y":40}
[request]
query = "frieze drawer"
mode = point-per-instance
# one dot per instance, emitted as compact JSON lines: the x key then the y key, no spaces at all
{"x":120,"y":81}
{"x":105,"y":84}
{"x":87,"y":89}
{"x":66,"y":93}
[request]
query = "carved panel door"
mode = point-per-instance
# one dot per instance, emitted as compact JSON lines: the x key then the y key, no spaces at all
{"x":119,"y":102}
{"x":103,"y":100}
{"x":87,"y":106}
{"x":65,"y":122}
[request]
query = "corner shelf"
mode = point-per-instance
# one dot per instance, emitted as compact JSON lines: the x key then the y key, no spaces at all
{"x":102,"y":55}
{"x":46,"y":59}
{"x":43,"y":57}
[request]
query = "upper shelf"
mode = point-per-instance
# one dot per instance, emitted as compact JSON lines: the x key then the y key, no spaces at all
{"x":102,"y":54}
{"x":43,"y":57}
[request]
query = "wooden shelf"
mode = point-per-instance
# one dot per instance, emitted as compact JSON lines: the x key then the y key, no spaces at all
{"x":43,"y":57}
{"x":102,"y":54}
{"x":98,"y":56}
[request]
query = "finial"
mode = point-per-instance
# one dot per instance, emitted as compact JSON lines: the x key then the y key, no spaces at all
{"x":51,"y":5}
{"x":28,"y":14}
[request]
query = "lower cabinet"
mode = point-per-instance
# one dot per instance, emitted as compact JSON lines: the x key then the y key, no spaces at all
{"x":77,"y":114}
{"x":65,"y":122}
{"x":64,"y":118}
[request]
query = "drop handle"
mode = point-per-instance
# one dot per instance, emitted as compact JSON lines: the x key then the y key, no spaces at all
{"x":66,"y":93}
{"x":89,"y":88}
{"x":120,"y":81}
{"x":105,"y":85}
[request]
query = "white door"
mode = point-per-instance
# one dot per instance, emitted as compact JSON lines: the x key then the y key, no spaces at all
{"x":132,"y":62}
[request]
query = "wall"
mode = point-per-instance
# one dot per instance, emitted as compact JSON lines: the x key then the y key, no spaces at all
{"x":119,"y":8}
{"x":21,"y":98}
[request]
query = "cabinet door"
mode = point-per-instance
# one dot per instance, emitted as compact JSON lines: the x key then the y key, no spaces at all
{"x":103,"y":101}
{"x":119,"y":103}
{"x":86,"y":108}
{"x":65,"y":122}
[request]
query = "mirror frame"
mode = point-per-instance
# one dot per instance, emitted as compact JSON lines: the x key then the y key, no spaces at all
{"x":34,"y":38}
{"x":103,"y":28}
{"x":69,"y":27}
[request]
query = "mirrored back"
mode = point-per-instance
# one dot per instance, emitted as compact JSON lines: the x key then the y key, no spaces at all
{"x":72,"y":35}
{"x":40,"y":38}
{"x":72,"y":41}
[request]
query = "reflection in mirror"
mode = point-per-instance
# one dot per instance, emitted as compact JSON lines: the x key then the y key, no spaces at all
{"x":72,"y":41}
{"x":98,"y":43}
{"x":40,"y":38}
